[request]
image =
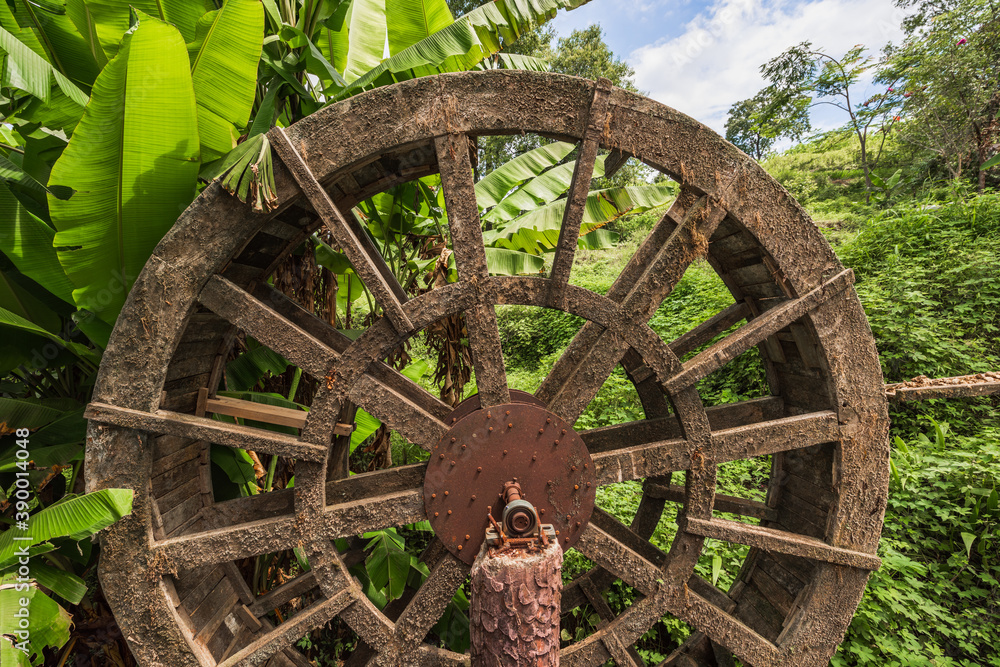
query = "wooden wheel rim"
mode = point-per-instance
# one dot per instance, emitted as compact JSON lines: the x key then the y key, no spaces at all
{"x":338,"y":145}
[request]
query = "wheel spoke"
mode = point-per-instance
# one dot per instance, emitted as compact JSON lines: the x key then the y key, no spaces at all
{"x":470,"y":259}
{"x":210,"y":430}
{"x":430,"y":601}
{"x":770,"y":437}
{"x":710,"y":328}
{"x":619,"y":559}
{"x":622,"y":533}
{"x":756,"y":331}
{"x":382,"y":373}
{"x":781,"y":541}
{"x":361,"y":252}
{"x":621,"y":654}
{"x":464,"y":225}
{"x":627,"y":629}
{"x":592,"y":355}
{"x":283,"y":594}
{"x":389,"y":396}
{"x":223,"y":545}
{"x":266,"y":325}
{"x":372,"y":501}
{"x":579,"y":189}
{"x":645,"y":431}
{"x":724,"y":629}
{"x":312,"y":618}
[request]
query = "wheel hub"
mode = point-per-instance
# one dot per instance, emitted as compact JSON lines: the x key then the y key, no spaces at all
{"x":511,"y":442}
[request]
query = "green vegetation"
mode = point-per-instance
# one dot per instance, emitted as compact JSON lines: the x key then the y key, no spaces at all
{"x":902,"y":191}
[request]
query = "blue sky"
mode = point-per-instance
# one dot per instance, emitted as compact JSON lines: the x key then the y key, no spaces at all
{"x":700,"y":57}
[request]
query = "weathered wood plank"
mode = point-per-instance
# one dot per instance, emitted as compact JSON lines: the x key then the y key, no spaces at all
{"x":210,"y":430}
{"x":363,"y":255}
{"x":781,"y":541}
{"x":756,"y":331}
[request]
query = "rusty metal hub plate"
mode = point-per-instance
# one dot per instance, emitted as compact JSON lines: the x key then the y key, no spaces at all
{"x":514,"y":441}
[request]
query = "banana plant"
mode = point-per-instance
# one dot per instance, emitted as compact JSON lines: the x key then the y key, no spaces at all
{"x":117,"y":114}
{"x":40,"y":552}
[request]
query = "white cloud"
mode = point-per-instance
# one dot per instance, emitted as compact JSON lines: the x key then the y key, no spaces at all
{"x":715,"y":61}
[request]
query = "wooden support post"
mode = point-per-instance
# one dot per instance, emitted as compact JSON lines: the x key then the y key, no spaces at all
{"x":514,"y":613}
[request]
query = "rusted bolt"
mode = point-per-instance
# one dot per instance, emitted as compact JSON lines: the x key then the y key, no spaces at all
{"x":473,"y":497}
{"x":541,"y":511}
{"x":549,"y":483}
{"x":567,"y":540}
{"x":548,"y":421}
{"x":491,"y":428}
{"x":453,"y":463}
{"x":588,"y":485}
{"x":434,"y":495}
{"x":541,"y":430}
{"x":464,"y":446}
{"x":557,"y":532}
{"x":510,"y":425}
{"x":435,"y":514}
{"x":573,"y":468}
{"x":568,"y":517}
{"x":454,"y":419}
{"x":449,"y":512}
{"x":459,"y":547}
{"x":453,"y":439}
{"x":585,"y":465}
{"x":505,"y":452}
{"x":508,"y":412}
{"x":489,"y":509}
{"x":489,"y":415}
{"x":479,"y":469}
{"x":468,"y":537}
{"x":534,"y":458}
{"x":440,"y":456}
{"x":557,"y":442}
{"x":577,"y":524}
{"x":576,"y":487}
{"x":446,"y":493}
{"x":564,"y":431}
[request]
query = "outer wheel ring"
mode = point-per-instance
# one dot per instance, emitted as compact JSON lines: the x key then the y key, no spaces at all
{"x":758,"y":225}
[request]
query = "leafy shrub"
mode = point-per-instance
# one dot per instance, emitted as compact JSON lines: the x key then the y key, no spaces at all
{"x":936,"y":599}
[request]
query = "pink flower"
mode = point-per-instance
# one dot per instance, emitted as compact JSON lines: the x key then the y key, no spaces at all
{"x":891,"y":90}
{"x":963,"y":41}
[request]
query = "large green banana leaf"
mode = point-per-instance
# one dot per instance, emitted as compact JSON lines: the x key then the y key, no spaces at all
{"x":361,"y":43}
{"x":28,"y":244}
{"x":461,"y":45}
{"x":78,"y":11}
{"x":500,"y":182}
{"x":133,"y":162}
{"x":76,"y":517}
{"x":22,"y":325}
{"x":542,"y":189}
{"x":50,"y":623}
{"x":28,"y":71}
{"x":111,"y":18}
{"x":507,"y":262}
{"x":414,"y":20}
{"x":14,"y":298}
{"x":224,"y":71}
{"x":603,"y":206}
{"x":61,"y":41}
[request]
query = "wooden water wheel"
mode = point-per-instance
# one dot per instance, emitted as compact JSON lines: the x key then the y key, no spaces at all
{"x":171,"y":570}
